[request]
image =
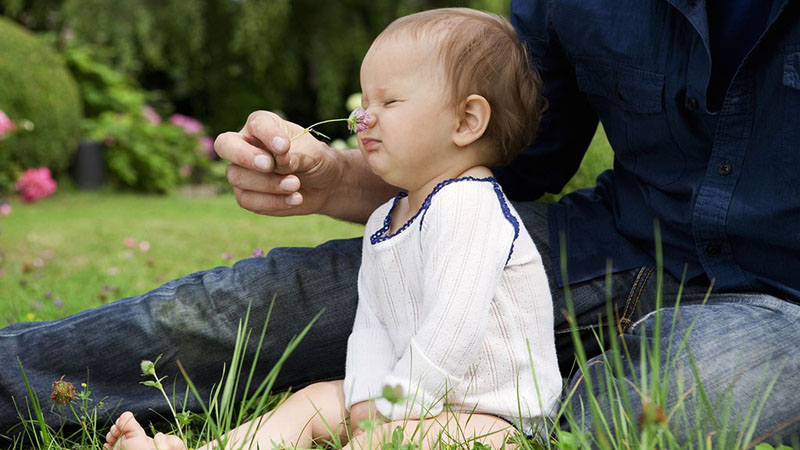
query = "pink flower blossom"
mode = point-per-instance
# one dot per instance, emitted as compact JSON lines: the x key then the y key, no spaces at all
{"x":35,"y":184}
{"x":144,"y":246}
{"x":6,"y":124}
{"x":358,"y":120}
{"x":5,"y":209}
{"x":129,"y":242}
{"x":151,"y":115}
{"x":258,"y":253}
{"x":190,"y":125}
{"x":227,"y":256}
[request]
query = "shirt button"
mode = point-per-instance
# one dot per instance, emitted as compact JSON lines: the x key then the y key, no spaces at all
{"x":724,"y":168}
{"x":692,"y":103}
{"x":713,"y":250}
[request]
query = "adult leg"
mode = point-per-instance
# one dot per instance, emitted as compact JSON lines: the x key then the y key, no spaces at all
{"x":732,"y":362}
{"x":192,"y":320}
{"x":633,"y":294}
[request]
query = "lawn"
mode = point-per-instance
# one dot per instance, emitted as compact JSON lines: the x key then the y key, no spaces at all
{"x":78,"y":250}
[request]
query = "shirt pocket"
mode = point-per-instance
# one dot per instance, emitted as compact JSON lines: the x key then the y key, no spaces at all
{"x":789,"y":164}
{"x":630,"y":103}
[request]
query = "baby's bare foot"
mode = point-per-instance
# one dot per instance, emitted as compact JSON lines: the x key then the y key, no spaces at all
{"x":127,"y":434}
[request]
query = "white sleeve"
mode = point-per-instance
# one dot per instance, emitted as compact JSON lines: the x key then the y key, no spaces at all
{"x":466,"y":242}
{"x":370,"y":353}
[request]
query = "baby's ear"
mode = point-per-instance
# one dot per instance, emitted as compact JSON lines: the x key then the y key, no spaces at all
{"x":475,"y":113}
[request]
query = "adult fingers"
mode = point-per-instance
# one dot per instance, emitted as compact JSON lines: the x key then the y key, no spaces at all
{"x":251,"y":180}
{"x":269,"y":204}
{"x":264,"y":135}
{"x":268,"y":129}
{"x":233,"y":147}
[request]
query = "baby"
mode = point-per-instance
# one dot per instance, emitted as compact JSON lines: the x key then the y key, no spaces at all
{"x":454,"y":328}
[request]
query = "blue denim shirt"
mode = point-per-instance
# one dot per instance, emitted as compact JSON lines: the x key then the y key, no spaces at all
{"x":723,"y":185}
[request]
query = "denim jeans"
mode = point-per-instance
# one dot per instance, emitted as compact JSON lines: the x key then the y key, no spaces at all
{"x":736,"y":340}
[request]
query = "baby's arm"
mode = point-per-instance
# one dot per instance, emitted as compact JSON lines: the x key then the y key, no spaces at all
{"x":370,"y":352}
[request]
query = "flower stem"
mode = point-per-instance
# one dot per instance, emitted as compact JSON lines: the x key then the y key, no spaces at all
{"x":310,"y":129}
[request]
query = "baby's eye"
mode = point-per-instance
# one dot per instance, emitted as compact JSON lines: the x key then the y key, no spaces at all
{"x":389,"y":102}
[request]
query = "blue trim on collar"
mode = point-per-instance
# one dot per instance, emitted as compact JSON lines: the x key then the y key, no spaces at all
{"x":381,"y":235}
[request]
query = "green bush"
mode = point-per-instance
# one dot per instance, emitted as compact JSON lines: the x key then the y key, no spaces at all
{"x":37,"y":91}
{"x":143,"y":156}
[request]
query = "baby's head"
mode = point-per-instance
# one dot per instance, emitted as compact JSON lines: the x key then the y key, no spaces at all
{"x":479,"y":53}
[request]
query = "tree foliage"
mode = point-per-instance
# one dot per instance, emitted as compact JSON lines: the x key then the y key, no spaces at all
{"x":220,"y":59}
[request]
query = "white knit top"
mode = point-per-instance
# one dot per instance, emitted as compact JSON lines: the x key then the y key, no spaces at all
{"x":454,"y":308}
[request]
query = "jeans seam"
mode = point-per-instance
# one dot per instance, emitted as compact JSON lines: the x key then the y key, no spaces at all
{"x":634,"y":296}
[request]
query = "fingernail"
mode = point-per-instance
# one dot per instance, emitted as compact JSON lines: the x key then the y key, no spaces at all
{"x":290,"y":184}
{"x":262,"y":162}
{"x":294,"y":199}
{"x":278,"y":144}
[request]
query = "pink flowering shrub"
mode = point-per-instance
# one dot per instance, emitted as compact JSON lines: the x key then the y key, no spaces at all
{"x":6,"y":124}
{"x":35,"y":184}
{"x":190,"y":125}
{"x":151,"y":115}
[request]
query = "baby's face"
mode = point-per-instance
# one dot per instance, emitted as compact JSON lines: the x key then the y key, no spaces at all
{"x":412,"y":124}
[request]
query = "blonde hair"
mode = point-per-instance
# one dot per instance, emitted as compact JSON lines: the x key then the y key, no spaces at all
{"x":482,"y":55}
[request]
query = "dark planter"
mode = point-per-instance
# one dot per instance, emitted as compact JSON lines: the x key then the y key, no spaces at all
{"x":89,"y":166}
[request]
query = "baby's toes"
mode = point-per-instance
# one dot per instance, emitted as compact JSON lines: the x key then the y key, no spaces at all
{"x":112,"y":436}
{"x":128,"y":425}
{"x":168,"y":442}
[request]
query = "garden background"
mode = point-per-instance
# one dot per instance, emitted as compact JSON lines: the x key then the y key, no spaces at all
{"x":147,"y":85}
{"x":139,"y":89}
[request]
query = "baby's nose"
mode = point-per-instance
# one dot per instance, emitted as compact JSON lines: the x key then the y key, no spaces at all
{"x":369,"y":119}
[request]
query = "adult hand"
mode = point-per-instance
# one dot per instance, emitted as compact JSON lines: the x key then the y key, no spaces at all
{"x":273,"y":175}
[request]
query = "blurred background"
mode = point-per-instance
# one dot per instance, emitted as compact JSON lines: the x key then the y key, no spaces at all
{"x":112,"y":71}
{"x":109,"y":185}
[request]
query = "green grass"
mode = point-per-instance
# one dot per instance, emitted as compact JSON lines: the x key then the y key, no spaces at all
{"x":70,"y":250}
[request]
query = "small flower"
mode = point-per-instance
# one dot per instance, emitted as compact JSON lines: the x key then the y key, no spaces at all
{"x":63,"y":392}
{"x":35,"y":184}
{"x":5,"y":209}
{"x":6,"y":124}
{"x":185,"y":170}
{"x":144,"y":246}
{"x":148,"y":367}
{"x":357,"y":122}
{"x":129,"y":242}
{"x":258,"y":253}
{"x":227,"y":256}
{"x":58,"y":303}
{"x":151,"y":115}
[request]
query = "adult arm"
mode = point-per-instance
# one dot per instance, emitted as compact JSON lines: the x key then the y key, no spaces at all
{"x":275,"y":176}
{"x":466,"y":241}
{"x":568,"y":123}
